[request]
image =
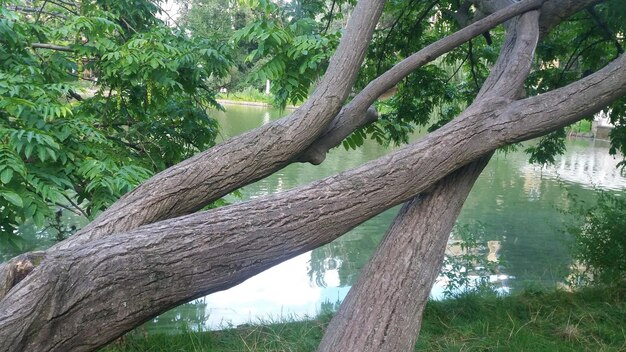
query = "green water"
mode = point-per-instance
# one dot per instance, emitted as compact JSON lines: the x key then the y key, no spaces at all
{"x":516,"y":203}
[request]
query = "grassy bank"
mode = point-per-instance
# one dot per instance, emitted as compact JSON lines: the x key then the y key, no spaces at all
{"x":247,"y":95}
{"x":589,"y":320}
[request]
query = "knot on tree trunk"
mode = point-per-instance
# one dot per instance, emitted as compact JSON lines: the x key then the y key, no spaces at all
{"x":16,"y":270}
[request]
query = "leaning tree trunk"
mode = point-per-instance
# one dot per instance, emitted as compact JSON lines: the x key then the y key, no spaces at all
{"x":60,"y":306}
{"x":182,"y":197}
{"x":146,"y":204}
{"x":141,"y":273}
{"x":383,"y":311}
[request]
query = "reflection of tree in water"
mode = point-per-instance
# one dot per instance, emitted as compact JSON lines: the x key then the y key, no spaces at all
{"x":188,"y":316}
{"x":347,"y":255}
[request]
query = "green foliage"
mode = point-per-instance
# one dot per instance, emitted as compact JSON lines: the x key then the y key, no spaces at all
{"x":617,"y":115}
{"x":599,"y":239}
{"x":65,"y":142}
{"x":547,"y":148}
{"x":469,"y":270}
{"x":293,"y":50}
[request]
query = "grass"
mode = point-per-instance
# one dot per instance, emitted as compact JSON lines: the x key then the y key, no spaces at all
{"x":249,"y":94}
{"x":264,"y":335}
{"x":589,"y":320}
{"x":593,"y":319}
{"x":582,"y":126}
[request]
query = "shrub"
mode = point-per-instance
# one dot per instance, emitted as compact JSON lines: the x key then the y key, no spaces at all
{"x":599,"y":240}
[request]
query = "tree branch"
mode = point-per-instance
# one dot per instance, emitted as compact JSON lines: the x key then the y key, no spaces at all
{"x":355,"y":111}
{"x":206,"y":177}
{"x":608,"y":34}
{"x":195,"y":182}
{"x":33,"y":10}
{"x":166,"y":263}
{"x":51,"y":47}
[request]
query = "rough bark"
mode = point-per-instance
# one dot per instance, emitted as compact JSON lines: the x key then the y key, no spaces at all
{"x":406,"y":263}
{"x":144,"y":272}
{"x":128,"y":213}
{"x":383,"y":310}
{"x":355,"y":114}
{"x":190,"y":185}
{"x":148,"y":203}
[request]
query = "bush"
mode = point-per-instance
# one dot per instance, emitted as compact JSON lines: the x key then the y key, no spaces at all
{"x":599,"y":240}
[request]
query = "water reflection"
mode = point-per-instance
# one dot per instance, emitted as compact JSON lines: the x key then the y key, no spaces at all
{"x":516,"y":202}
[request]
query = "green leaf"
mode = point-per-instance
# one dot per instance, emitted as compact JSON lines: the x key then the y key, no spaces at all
{"x":12,"y":198}
{"x":6,"y":175}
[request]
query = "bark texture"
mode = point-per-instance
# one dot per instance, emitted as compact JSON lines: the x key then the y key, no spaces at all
{"x":197,"y":182}
{"x":143,"y":271}
{"x":355,"y":114}
{"x":383,"y":311}
{"x":60,"y":306}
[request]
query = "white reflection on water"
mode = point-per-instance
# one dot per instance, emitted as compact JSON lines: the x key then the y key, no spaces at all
{"x":286,"y":290}
{"x":282,"y":291}
{"x":590,"y":166}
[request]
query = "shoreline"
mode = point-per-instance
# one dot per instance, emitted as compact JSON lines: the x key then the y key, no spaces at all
{"x":252,"y":103}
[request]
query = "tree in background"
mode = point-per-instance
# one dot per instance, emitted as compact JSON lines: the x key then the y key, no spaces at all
{"x":95,"y":97}
{"x":153,"y":249}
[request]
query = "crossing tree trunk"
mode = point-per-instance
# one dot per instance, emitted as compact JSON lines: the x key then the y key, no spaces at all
{"x":152,"y":251}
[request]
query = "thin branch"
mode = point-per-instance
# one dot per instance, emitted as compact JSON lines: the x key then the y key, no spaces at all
{"x":75,"y":95}
{"x":357,"y":109}
{"x":424,"y":14}
{"x":457,"y":69}
{"x":82,"y":212}
{"x":470,"y":55}
{"x":40,"y":10}
{"x":74,"y":211}
{"x":393,"y":25}
{"x":575,"y":57}
{"x":128,"y":25}
{"x":607,"y":31}
{"x":59,"y":2}
{"x":63,"y":5}
{"x":33,"y":10}
{"x":51,"y":47}
{"x":330,"y":16}
{"x":167,"y":14}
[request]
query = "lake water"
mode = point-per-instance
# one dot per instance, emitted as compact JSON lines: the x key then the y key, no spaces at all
{"x":517,"y":205}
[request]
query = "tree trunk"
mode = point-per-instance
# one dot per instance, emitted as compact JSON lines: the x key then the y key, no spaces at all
{"x":60,"y":306}
{"x":94,"y":287}
{"x":383,"y":310}
{"x":188,"y":186}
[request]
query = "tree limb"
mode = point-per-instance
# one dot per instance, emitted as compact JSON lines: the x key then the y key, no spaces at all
{"x":51,"y":47}
{"x":152,"y":268}
{"x":206,"y":177}
{"x":608,"y":34}
{"x":357,"y":108}
{"x":402,"y":271}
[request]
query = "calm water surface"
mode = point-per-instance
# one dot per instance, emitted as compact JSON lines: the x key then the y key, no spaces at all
{"x":516,"y":203}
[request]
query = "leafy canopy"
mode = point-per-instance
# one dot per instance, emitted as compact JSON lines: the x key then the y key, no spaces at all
{"x":95,"y":97}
